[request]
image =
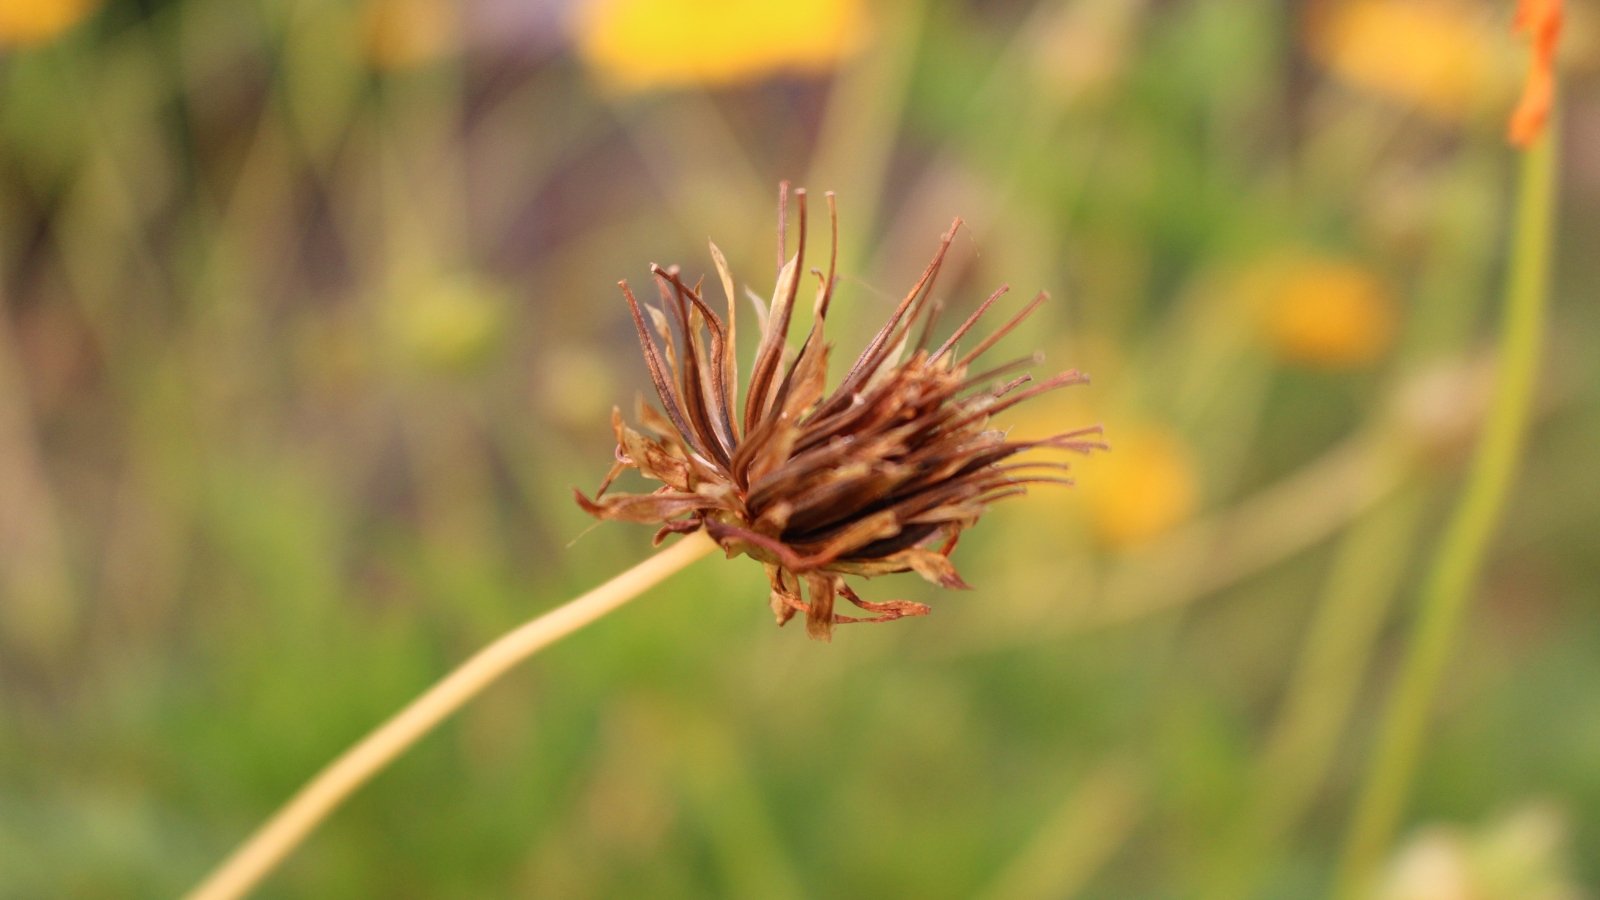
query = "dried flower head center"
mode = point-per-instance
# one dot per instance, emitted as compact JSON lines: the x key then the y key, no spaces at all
{"x":881,"y":475}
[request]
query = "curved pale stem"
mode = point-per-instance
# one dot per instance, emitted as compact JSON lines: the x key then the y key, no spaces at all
{"x":1450,"y":583}
{"x":287,"y":827}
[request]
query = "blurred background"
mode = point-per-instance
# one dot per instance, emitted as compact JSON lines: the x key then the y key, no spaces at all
{"x":310,"y":326}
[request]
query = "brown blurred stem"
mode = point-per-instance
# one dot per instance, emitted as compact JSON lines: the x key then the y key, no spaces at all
{"x":283,"y":832}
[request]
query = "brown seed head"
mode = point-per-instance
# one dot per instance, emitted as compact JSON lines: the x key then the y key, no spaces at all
{"x":879,"y":476}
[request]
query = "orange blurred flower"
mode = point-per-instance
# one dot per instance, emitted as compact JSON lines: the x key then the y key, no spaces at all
{"x":1323,"y":312}
{"x":1540,"y":20}
{"x":25,"y":23}
{"x":1431,"y":54}
{"x":636,"y":45}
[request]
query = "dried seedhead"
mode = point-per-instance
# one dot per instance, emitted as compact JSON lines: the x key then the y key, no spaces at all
{"x":881,"y":475}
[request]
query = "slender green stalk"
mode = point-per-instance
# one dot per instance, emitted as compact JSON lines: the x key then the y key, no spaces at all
{"x":866,"y":105}
{"x":279,"y":835}
{"x":1461,"y":551}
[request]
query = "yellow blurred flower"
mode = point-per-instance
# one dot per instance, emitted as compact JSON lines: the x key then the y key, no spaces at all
{"x":1322,"y":312}
{"x":445,"y":323}
{"x":1142,"y":488}
{"x":26,"y":23}
{"x":643,"y":44}
{"x":406,"y":34}
{"x":1437,"y":55}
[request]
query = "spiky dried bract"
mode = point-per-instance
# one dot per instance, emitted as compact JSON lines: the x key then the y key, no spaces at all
{"x":880,"y":475}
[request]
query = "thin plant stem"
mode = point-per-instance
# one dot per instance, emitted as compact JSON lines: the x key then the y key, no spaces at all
{"x":287,"y":827}
{"x":1461,"y":551}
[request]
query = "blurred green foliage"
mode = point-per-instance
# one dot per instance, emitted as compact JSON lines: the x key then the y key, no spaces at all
{"x":309,"y":327}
